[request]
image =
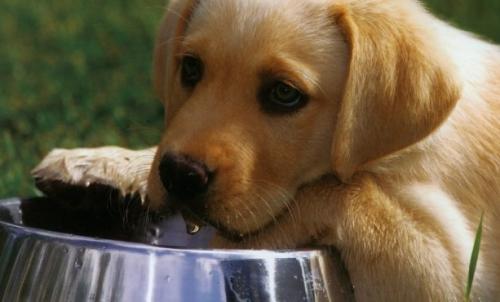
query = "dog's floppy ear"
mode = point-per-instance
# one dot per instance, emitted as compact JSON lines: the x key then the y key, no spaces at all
{"x":172,"y":28}
{"x":400,"y":86}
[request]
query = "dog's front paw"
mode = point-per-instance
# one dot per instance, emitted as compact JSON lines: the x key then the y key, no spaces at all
{"x":79,"y":177}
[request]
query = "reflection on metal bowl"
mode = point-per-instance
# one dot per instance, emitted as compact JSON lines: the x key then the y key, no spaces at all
{"x":42,"y":260}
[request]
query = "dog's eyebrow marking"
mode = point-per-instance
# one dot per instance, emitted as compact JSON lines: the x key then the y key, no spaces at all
{"x":289,"y":70}
{"x":184,"y":19}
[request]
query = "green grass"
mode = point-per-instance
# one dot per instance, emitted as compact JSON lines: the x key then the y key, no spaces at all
{"x":479,"y":16}
{"x":77,"y":73}
{"x":474,"y":260}
{"x":73,"y":73}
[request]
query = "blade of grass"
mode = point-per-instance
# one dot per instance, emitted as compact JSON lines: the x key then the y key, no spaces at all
{"x":474,"y":258}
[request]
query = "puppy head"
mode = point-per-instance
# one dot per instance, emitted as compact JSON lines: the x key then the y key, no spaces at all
{"x":256,"y":91}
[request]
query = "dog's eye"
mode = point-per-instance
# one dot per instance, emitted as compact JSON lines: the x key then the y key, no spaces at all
{"x":282,"y":98}
{"x":191,"y":71}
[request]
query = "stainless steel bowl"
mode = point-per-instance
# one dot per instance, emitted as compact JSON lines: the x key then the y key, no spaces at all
{"x":39,"y":264}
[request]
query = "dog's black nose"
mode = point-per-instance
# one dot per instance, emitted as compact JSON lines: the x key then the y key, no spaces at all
{"x":184,"y":178}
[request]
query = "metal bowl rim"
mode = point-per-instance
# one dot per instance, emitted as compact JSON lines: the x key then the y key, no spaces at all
{"x":141,"y":247}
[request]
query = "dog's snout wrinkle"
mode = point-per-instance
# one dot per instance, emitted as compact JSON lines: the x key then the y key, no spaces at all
{"x":184,"y":178}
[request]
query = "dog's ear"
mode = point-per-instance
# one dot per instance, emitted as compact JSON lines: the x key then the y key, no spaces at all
{"x":168,"y":39}
{"x":400,"y":86}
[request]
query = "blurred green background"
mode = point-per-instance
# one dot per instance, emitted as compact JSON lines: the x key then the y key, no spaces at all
{"x":77,"y":73}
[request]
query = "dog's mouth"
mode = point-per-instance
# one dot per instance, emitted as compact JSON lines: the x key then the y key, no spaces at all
{"x":195,"y":221}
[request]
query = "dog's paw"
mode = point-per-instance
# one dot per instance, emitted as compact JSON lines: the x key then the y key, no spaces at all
{"x":79,"y":177}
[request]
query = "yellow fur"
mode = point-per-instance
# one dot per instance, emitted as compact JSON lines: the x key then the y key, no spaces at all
{"x":404,"y":110}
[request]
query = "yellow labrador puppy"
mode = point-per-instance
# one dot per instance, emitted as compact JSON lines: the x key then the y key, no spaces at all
{"x":368,"y":125}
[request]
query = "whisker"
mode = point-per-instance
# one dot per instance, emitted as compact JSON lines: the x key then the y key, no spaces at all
{"x":284,"y":235}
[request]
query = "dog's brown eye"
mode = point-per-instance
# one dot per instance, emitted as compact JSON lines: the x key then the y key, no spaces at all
{"x":282,"y":98}
{"x":191,"y":71}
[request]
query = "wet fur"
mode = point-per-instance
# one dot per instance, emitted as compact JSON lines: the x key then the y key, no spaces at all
{"x":403,"y":121}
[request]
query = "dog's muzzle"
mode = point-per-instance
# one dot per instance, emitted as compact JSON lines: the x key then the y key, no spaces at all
{"x":187,"y":182}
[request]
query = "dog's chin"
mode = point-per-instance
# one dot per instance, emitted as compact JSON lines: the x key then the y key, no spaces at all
{"x":231,"y":234}
{"x":195,"y":220}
